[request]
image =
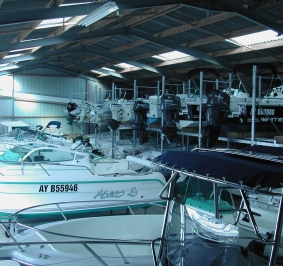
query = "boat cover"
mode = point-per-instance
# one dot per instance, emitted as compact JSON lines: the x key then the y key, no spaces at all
{"x":235,"y":168}
{"x":9,"y":156}
{"x":275,"y":151}
{"x":54,"y":123}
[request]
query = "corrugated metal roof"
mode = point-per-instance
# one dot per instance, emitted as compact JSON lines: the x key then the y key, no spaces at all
{"x":236,"y":59}
{"x":22,"y":5}
{"x":215,"y":47}
{"x":189,"y":36}
{"x":39,"y":33}
{"x":229,"y":25}
{"x":189,"y":14}
{"x":139,"y":33}
{"x":8,"y":37}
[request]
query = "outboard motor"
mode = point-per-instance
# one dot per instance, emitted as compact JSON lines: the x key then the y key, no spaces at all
{"x":170,"y":107}
{"x":217,"y":110}
{"x":71,"y":107}
{"x":140,"y":109}
{"x":113,"y":124}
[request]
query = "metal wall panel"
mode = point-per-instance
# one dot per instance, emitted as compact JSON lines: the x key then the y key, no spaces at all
{"x":41,"y":95}
{"x":50,"y":85}
{"x":97,"y":91}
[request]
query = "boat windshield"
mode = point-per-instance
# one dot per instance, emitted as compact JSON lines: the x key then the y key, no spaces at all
{"x":95,"y":158}
{"x":47,"y":154}
{"x":200,"y":194}
{"x":14,"y":154}
{"x":10,"y":156}
{"x":195,"y":235}
{"x":210,"y":239}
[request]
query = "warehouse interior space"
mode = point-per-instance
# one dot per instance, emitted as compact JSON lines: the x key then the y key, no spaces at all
{"x":139,"y":132}
{"x":49,"y":57}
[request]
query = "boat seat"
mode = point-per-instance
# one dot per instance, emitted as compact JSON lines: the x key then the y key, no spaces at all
{"x":38,"y":158}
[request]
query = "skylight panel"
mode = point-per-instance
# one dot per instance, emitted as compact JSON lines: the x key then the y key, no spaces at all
{"x":97,"y":72}
{"x":171,"y":55}
{"x":57,"y":22}
{"x":11,"y":55}
{"x":124,"y":65}
{"x":258,"y":37}
{"x":234,"y":42}
{"x":109,"y":69}
{"x":24,"y":49}
{"x":31,"y":40}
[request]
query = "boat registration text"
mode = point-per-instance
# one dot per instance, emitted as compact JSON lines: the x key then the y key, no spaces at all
{"x":58,"y":188}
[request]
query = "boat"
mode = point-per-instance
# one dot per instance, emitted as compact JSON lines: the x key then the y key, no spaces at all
{"x":22,"y":133}
{"x":267,"y":99}
{"x":194,"y":102}
{"x":99,"y":240}
{"x":227,"y":107}
{"x":89,"y":112}
{"x":205,"y":110}
{"x":46,"y":174}
{"x":147,"y":111}
{"x":13,"y":124}
{"x":122,"y":109}
{"x":205,"y":224}
{"x":162,"y":110}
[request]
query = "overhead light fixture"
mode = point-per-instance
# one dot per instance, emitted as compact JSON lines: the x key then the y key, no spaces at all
{"x":98,"y":14}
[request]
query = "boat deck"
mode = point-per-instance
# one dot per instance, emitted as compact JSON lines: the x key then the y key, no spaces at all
{"x":3,"y":239}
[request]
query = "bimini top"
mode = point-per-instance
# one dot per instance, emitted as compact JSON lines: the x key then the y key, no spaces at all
{"x":236,"y":168}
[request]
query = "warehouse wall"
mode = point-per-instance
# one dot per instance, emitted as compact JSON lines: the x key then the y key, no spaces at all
{"x":41,"y":95}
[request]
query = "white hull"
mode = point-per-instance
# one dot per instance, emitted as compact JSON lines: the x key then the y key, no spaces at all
{"x":22,"y":192}
{"x":95,"y":234}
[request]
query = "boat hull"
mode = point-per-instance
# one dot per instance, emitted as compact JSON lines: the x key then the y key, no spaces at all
{"x":76,"y":193}
{"x":106,"y":237}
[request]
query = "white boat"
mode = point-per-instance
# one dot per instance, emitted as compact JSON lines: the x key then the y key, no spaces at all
{"x":268,"y":103}
{"x":89,"y":112}
{"x":43,"y":175}
{"x":122,"y":110}
{"x":13,"y":124}
{"x":107,"y":240}
{"x":21,"y":133}
{"x":204,"y":225}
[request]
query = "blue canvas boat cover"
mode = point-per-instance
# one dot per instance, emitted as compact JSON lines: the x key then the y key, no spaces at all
{"x":9,"y":156}
{"x":235,"y":168}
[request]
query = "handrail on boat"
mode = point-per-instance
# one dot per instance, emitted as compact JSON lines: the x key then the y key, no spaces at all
{"x":22,"y":163}
{"x":87,"y":240}
{"x":153,"y":250}
{"x":14,"y":217}
{"x":86,"y":245}
{"x":172,"y":178}
{"x":219,"y":181}
{"x":274,"y":241}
